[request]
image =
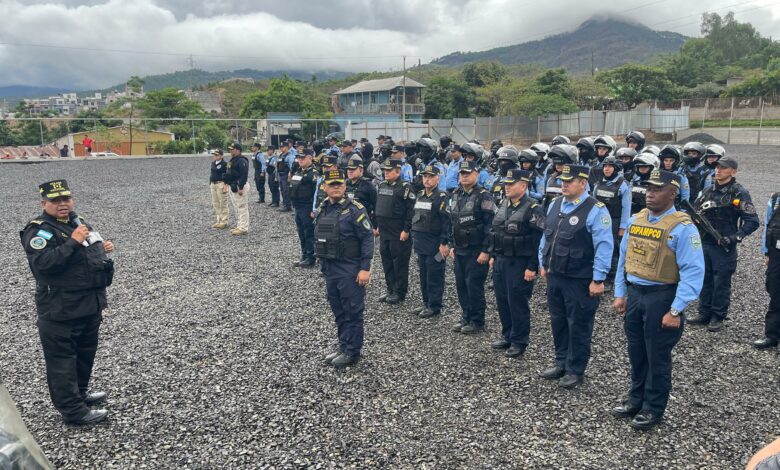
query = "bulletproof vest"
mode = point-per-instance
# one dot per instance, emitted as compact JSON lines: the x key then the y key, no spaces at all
{"x":773,"y":227}
{"x":390,"y":200}
{"x":512,"y":231}
{"x":638,"y":191}
{"x":696,"y":177}
{"x":719,"y":206}
{"x":281,"y":165}
{"x":647,"y":254}
{"x":87,"y":268}
{"x":552,"y":190}
{"x":328,"y":240}
{"x":352,"y":189}
{"x":497,"y":191}
{"x":609,"y":194}
{"x":466,"y":214}
{"x":255,"y":164}
{"x":427,"y":217}
{"x":568,"y":246}
{"x":299,"y":189}
{"x":321,"y":194}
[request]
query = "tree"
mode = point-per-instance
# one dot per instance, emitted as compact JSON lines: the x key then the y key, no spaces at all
{"x":447,"y":98}
{"x":168,"y":103}
{"x":731,"y":40}
{"x":692,"y":65}
{"x":633,"y":84}
{"x":282,"y":95}
{"x":587,"y":92}
{"x":479,"y":74}
{"x":554,"y":82}
{"x":213,"y":135}
{"x":534,"y":105}
{"x":7,"y":135}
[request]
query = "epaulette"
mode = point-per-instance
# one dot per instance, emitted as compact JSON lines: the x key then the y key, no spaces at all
{"x":683,"y":217}
{"x":36,"y":221}
{"x":599,"y":204}
{"x":358,"y":204}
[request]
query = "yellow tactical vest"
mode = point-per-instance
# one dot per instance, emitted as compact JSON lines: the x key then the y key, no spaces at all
{"x":647,"y":254}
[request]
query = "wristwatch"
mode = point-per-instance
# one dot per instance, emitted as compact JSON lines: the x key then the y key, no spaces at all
{"x":598,"y":282}
{"x":675,"y":313}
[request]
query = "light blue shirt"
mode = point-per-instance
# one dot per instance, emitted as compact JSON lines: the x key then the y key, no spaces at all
{"x":624,"y":192}
{"x":406,"y":172}
{"x":599,"y":225}
{"x":767,"y":218}
{"x":314,"y":207}
{"x":452,"y":175}
{"x":289,"y":158}
{"x":260,"y":158}
{"x":443,"y":175}
{"x":484,"y":179}
{"x":539,"y":193}
{"x":685,"y":242}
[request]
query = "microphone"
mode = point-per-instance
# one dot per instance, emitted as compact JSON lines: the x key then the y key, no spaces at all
{"x":75,"y":221}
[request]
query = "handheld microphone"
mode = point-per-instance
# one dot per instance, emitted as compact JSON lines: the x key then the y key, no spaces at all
{"x":75,"y":221}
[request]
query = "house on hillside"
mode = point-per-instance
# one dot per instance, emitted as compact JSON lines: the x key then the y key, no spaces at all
{"x":380,"y":100}
{"x":116,"y":139}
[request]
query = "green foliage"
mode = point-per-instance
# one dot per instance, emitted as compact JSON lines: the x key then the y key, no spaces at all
{"x":758,"y":84}
{"x":554,"y":82}
{"x":447,"y":98}
{"x":168,"y":103}
{"x":632,"y":84}
{"x":535,"y":105}
{"x":694,"y":64}
{"x":213,"y":135}
{"x":180,"y":147}
{"x":282,"y":95}
{"x":479,"y":74}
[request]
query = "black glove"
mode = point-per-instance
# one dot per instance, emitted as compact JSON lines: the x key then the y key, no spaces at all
{"x":728,"y":241}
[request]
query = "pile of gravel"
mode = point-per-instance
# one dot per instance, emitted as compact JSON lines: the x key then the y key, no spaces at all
{"x":704,"y":138}
{"x":212,"y":349}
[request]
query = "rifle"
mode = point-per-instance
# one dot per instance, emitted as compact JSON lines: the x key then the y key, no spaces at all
{"x":702,"y":222}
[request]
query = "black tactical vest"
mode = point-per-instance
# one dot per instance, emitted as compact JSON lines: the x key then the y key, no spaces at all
{"x":609,"y":194}
{"x":512,"y":232}
{"x":328,"y":242}
{"x":301,"y":190}
{"x":553,"y":189}
{"x":696,"y":179}
{"x":638,"y":191}
{"x":773,"y":227}
{"x":427,"y":217}
{"x":466,"y":214}
{"x":497,"y":191}
{"x":717,"y":205}
{"x":568,"y":246}
{"x":390,"y":200}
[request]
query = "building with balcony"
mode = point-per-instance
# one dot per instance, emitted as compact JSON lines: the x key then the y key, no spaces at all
{"x":380,"y":100}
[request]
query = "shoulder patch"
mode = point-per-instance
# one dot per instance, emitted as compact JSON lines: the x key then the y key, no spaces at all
{"x":695,"y":242}
{"x":36,"y":221}
{"x":599,"y":204}
{"x":38,"y":243}
{"x":45,"y":234}
{"x":357,"y":204}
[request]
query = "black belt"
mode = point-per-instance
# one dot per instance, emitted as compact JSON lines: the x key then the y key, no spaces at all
{"x":650,"y":289}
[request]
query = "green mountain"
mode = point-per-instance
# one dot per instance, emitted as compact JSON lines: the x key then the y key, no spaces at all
{"x":612,"y":42}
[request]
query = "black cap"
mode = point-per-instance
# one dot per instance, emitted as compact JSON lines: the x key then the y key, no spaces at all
{"x":328,"y":160}
{"x":664,"y":178}
{"x":728,"y":162}
{"x":398,"y":148}
{"x":54,"y":189}
{"x":219,"y":152}
{"x":235,"y":146}
{"x":334,"y":176}
{"x":467,"y":166}
{"x":516,"y":174}
{"x":286,"y":143}
{"x":363,"y":140}
{"x":333,"y":137}
{"x":255,"y":145}
{"x":333,"y":152}
{"x":380,"y":136}
{"x":574,"y":171}
{"x":456,"y":148}
{"x":308,"y":152}
{"x":391,"y":163}
{"x":431,"y":170}
{"x":299,"y":143}
{"x":354,"y":162}
{"x":271,"y":147}
{"x":346,"y":143}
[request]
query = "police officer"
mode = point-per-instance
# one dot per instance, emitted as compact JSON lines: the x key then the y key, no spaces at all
{"x":560,"y":156}
{"x":72,"y":271}
{"x":237,"y":178}
{"x":430,"y":237}
{"x":528,"y":159}
{"x":471,"y":210}
{"x":605,"y":146}
{"x":260,"y":165}
{"x":326,"y":163}
{"x":346,"y":151}
{"x":507,"y":158}
{"x":514,"y":242}
{"x":626,"y":157}
{"x":427,"y":153}
{"x":219,"y":197}
{"x":771,"y":250}
{"x":728,"y":207}
{"x":635,"y":140}
{"x":394,"y":210}
{"x":693,"y":168}
{"x":302,"y":186}
{"x":612,"y":190}
{"x":644,"y":164}
{"x":660,"y":272}
{"x":345,"y":246}
{"x":398,"y":153}
{"x":543,"y":163}
{"x":366,"y":150}
{"x":360,"y":188}
{"x":284,"y":165}
{"x":712,"y":154}
{"x":574,"y":255}
{"x":586,"y":151}
{"x":273,"y":176}
{"x":670,"y":158}
{"x":452,"y":175}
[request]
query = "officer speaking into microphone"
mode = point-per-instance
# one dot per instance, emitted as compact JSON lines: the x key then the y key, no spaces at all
{"x":72,"y":271}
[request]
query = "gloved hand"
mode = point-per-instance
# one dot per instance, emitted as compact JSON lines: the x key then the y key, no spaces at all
{"x":728,"y":241}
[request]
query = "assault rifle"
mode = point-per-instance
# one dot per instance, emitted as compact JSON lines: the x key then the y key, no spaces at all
{"x":701,"y":221}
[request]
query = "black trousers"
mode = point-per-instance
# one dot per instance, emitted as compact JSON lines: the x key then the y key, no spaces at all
{"x":395,"y":256}
{"x":650,"y":346}
{"x":273,"y":186}
{"x":347,"y":300}
{"x":719,"y":267}
{"x":305,"y":226}
{"x":284,"y":186}
{"x":69,"y":349}
{"x":432,"y":273}
{"x":572,"y":312}
{"x":513,"y":294}
{"x":260,"y":185}
{"x":470,"y":284}
{"x":772,"y":321}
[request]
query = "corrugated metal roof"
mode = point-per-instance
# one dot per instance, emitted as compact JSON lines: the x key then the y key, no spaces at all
{"x":382,"y":84}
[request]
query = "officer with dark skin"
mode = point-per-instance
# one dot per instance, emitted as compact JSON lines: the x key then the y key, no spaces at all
{"x":360,"y":188}
{"x":345,"y":246}
{"x":514,"y":242}
{"x":302,"y":186}
{"x":771,"y":249}
{"x":660,"y":272}
{"x":72,"y":271}
{"x":728,"y":207}
{"x":430,"y":235}
{"x":471,"y":210}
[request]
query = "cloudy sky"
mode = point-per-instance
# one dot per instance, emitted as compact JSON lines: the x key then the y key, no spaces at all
{"x":93,"y":44}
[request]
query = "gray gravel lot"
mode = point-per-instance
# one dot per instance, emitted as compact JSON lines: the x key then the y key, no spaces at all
{"x":211,"y":352}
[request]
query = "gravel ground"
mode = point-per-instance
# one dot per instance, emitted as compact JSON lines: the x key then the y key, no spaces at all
{"x":211,"y":353}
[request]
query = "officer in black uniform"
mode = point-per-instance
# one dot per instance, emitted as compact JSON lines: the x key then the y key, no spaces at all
{"x":360,"y":188}
{"x":728,"y":207}
{"x":394,"y":210}
{"x":345,"y":246}
{"x":326,"y":163}
{"x":611,"y":189}
{"x":273,"y":176}
{"x":508,"y":158}
{"x":260,"y":165}
{"x":471,"y":210}
{"x":771,"y":250}
{"x":302,"y":185}
{"x":72,"y":271}
{"x":347,"y":151}
{"x":560,"y":155}
{"x":514,"y":243}
{"x":430,"y":236}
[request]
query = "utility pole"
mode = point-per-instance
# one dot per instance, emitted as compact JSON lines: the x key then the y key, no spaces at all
{"x":403,"y":102}
{"x":592,"y":66}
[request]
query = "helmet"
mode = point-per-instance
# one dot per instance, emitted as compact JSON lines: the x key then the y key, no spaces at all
{"x":638,"y":137}
{"x":496,"y":144}
{"x":508,"y":152}
{"x":445,"y":141}
{"x":541,"y":149}
{"x":670,"y":151}
{"x":612,"y":160}
{"x":715,"y":149}
{"x":605,"y":141}
{"x":470,"y":148}
{"x":528,"y":155}
{"x":651,"y":149}
{"x":646,"y":159}
{"x":563,"y":153}
{"x":697,"y":147}
{"x":560,"y":139}
{"x":425,"y":136}
{"x":586,"y":143}
{"x":626,"y":152}
{"x":427,"y":148}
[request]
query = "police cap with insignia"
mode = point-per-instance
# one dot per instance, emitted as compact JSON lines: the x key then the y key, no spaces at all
{"x":397,"y":148}
{"x":334,"y":177}
{"x":467,"y":166}
{"x":346,"y":143}
{"x":728,"y":162}
{"x":664,"y":178}
{"x":574,"y":171}
{"x":54,"y":189}
{"x":354,"y":163}
{"x":432,"y":170}
{"x":235,"y":146}
{"x":328,"y":160}
{"x":390,"y":164}
{"x":256,"y":145}
{"x":516,"y":174}
{"x":271,"y":147}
